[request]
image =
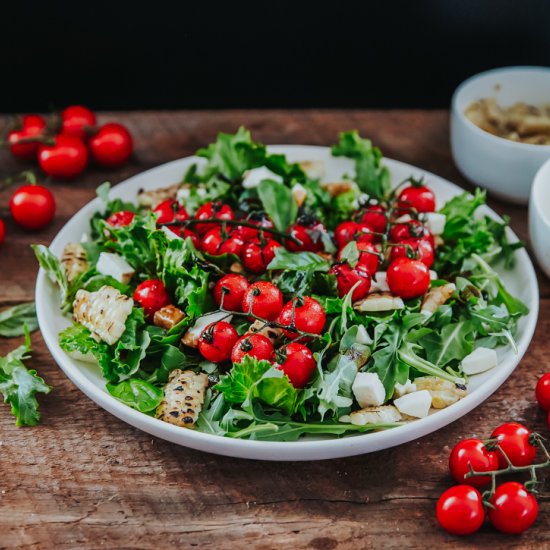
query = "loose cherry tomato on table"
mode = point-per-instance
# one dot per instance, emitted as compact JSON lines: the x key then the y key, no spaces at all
{"x":297,"y":362}
{"x":209,"y":210}
{"x":421,"y":248}
{"x":514,"y":509}
{"x":345,"y":233}
{"x":474,"y":453}
{"x":111,"y":146}
{"x":32,"y":126}
{"x":122,"y":218}
{"x":217,"y":341}
{"x":305,"y":314}
{"x":66,"y":159}
{"x":151,"y":295}
{"x":374,"y":215}
{"x":2,"y":231}
{"x":76,"y":120}
{"x":543,"y":391}
{"x":460,"y":510}
{"x":347,"y":277}
{"x":421,"y":198}
{"x":513,"y":438}
{"x":169,"y":211}
{"x":255,"y":345}
{"x":257,"y":255}
{"x":310,"y":237}
{"x":232,"y":288}
{"x":32,"y":207}
{"x":264,"y":300}
{"x":408,"y":278}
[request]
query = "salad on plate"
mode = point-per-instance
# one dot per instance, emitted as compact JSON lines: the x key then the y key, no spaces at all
{"x":255,"y":299}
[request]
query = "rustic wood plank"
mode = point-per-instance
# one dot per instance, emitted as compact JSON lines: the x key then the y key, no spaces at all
{"x":84,"y":479}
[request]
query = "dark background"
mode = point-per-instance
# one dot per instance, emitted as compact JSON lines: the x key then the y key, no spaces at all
{"x":118,"y":55}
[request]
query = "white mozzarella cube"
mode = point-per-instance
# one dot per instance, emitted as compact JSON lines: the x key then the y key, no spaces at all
{"x":480,"y":360}
{"x":433,"y":275}
{"x":379,"y":282}
{"x":115,"y":266}
{"x":435,"y":222}
{"x":403,"y":389}
{"x":415,"y":404}
{"x":183,"y":194}
{"x":252,"y":178}
{"x":368,"y":389}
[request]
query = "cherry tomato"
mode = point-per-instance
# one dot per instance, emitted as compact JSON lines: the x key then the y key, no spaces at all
{"x":309,"y":316}
{"x":310,"y":237}
{"x":297,"y":362}
{"x":514,"y":510}
{"x":543,"y":391}
{"x":408,"y":278}
{"x":374,"y":216}
{"x":232,"y":287}
{"x":513,"y":438}
{"x":32,"y":126}
{"x":260,"y":220}
{"x":218,"y":242}
{"x":460,"y":510}
{"x":32,"y":207}
{"x":67,"y":158}
{"x":365,"y":234}
{"x":472,"y":452}
{"x":122,"y":218}
{"x":212,"y":210}
{"x":75,"y":120}
{"x":412,"y":229}
{"x":347,"y":277}
{"x":369,"y":257}
{"x":169,"y":211}
{"x":421,"y":198}
{"x":186,"y":233}
{"x":2,"y":231}
{"x":217,"y":341}
{"x":264,"y":300}
{"x":111,"y":146}
{"x":420,"y":247}
{"x":151,"y":295}
{"x":257,"y":256}
{"x":345,"y":233}
{"x":255,"y":345}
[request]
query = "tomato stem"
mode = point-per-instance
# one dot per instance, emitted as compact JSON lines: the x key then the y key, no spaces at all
{"x":26,"y":175}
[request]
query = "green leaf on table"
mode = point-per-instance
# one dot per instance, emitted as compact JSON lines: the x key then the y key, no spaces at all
{"x":19,"y":385}
{"x":138,"y":394}
{"x":14,"y":319}
{"x":278,"y":203}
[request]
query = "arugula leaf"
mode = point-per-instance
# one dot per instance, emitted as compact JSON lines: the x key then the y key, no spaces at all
{"x":138,"y":394}
{"x":370,"y":175}
{"x":14,"y":319}
{"x":19,"y":385}
{"x":279,"y":203}
{"x":452,"y":342}
{"x":53,"y":268}
{"x":211,"y":413}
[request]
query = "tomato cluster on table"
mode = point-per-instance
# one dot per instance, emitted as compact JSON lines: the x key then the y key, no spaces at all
{"x":383,"y":234}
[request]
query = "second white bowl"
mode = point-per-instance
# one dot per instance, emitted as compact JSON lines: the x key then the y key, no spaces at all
{"x":539,"y":217}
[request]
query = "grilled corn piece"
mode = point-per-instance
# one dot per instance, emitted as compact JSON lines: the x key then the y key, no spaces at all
{"x":338,"y":188}
{"x":271,"y":333}
{"x":384,"y":414}
{"x":436,"y":297}
{"x":168,"y":317}
{"x":74,"y":260}
{"x":152,"y":198}
{"x":379,"y":301}
{"x":183,"y":398}
{"x":104,"y":312}
{"x":443,"y":392}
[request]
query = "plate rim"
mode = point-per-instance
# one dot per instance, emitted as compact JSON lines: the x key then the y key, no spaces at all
{"x":277,"y":450}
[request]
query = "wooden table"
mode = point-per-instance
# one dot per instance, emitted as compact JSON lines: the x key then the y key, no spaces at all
{"x":83,"y":479}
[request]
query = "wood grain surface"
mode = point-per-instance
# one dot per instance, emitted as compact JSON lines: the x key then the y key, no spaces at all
{"x":83,"y":479}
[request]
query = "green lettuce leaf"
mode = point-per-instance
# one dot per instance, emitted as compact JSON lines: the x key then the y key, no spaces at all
{"x":278,"y":203}
{"x":138,"y":394}
{"x":14,"y":319}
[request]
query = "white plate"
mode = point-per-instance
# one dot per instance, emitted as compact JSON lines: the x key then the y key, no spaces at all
{"x":521,"y":282}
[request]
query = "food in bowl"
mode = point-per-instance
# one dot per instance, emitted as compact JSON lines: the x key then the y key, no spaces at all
{"x":253,"y":300}
{"x":519,"y":122}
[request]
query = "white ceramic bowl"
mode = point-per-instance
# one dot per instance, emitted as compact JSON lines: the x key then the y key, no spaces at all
{"x":506,"y":168}
{"x":539,"y":217}
{"x":521,"y":281}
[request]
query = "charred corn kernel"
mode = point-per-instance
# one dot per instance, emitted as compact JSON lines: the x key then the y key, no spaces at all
{"x":74,"y":260}
{"x":104,"y":312}
{"x":168,"y":317}
{"x":152,"y":198}
{"x":436,"y":297}
{"x":443,"y":392}
{"x":183,"y":398}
